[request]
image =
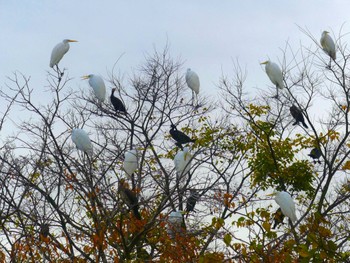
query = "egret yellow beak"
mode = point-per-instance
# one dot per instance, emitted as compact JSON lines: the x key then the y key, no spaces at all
{"x":85,"y":77}
{"x":272,"y":194}
{"x":71,"y":40}
{"x":265,"y":62}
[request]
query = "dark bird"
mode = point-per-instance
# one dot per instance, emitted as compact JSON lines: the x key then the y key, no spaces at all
{"x":297,"y":115}
{"x":179,"y":136}
{"x":277,"y":218}
{"x":44,"y":230}
{"x":117,"y":103}
{"x":192,"y":200}
{"x":129,"y":198}
{"x":315,"y":154}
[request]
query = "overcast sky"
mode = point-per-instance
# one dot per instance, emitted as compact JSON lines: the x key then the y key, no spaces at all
{"x":207,"y":35}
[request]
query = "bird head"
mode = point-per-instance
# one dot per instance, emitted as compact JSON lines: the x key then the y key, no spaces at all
{"x":173,"y":126}
{"x":86,"y":76}
{"x":69,"y":40}
{"x":325,"y":32}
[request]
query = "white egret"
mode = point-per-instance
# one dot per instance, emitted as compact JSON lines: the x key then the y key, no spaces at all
{"x":328,"y":45}
{"x":130,"y":162}
{"x":98,"y":85}
{"x":274,"y":72}
{"x":286,"y":203}
{"x":182,"y":161}
{"x":59,"y":50}
{"x":176,"y":223}
{"x":192,"y":81}
{"x":82,"y":141}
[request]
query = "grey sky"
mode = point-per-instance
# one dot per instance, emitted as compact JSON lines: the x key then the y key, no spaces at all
{"x":207,"y":35}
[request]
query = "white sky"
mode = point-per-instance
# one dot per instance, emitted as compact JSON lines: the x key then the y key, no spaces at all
{"x":207,"y":35}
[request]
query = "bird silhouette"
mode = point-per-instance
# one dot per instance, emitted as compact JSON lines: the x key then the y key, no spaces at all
{"x":278,"y":218}
{"x":129,"y":198}
{"x":315,"y":154}
{"x":297,"y":115}
{"x":192,"y":200}
{"x":117,"y":103}
{"x":179,"y":136}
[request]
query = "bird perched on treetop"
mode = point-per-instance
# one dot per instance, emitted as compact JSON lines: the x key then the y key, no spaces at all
{"x":130,"y":163}
{"x":179,"y":136}
{"x":328,"y":45}
{"x":297,"y":115}
{"x":192,"y":200}
{"x":182,"y":161}
{"x":58,"y":52}
{"x":315,"y":154}
{"x":274,"y":72}
{"x":286,"y":203}
{"x":98,"y":85}
{"x":192,"y":80}
{"x":129,"y":198}
{"x":82,"y":141}
{"x":117,"y":103}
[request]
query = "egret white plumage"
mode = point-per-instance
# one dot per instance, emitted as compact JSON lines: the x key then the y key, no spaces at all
{"x":192,"y":81}
{"x":58,"y":51}
{"x":82,"y":141}
{"x":98,"y":85}
{"x":286,"y":203}
{"x":130,"y":163}
{"x":274,"y":72}
{"x":182,"y":161}
{"x":328,"y":46}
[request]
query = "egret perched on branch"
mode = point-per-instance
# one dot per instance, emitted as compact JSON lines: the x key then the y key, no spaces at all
{"x":130,"y":162}
{"x":286,"y":203}
{"x":182,"y":161}
{"x":274,"y":72}
{"x":82,"y":141}
{"x":297,"y":115}
{"x":129,"y":198}
{"x":117,"y":103}
{"x":192,"y":81}
{"x":179,"y":136}
{"x":328,"y":46}
{"x":315,"y":154}
{"x":58,"y":52}
{"x":98,"y":85}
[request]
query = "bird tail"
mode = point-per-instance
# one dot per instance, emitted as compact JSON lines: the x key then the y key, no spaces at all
{"x":304,"y":124}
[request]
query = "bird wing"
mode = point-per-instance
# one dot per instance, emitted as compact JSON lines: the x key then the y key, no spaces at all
{"x":192,"y":81}
{"x":98,"y":85}
{"x":58,"y":52}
